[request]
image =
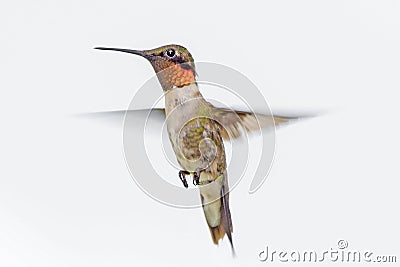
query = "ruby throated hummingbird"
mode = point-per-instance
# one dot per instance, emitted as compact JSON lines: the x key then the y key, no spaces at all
{"x":196,"y":130}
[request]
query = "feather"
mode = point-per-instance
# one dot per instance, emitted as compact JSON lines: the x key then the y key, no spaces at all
{"x":215,"y":200}
{"x":232,"y":122}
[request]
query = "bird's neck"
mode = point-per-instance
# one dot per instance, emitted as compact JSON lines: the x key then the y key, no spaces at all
{"x":175,"y":76}
{"x":188,"y":95}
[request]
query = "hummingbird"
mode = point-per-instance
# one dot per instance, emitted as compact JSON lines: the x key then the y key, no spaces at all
{"x":197,"y":130}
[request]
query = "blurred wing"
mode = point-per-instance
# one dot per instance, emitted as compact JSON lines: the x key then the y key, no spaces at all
{"x":233,"y":121}
{"x":116,"y":117}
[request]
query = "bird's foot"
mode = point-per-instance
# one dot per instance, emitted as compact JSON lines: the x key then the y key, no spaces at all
{"x":182,"y":176}
{"x":196,"y":178}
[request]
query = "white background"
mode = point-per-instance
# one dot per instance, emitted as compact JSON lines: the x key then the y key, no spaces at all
{"x":66,"y":196}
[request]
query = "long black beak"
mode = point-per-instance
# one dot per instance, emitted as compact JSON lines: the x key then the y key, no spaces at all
{"x":136,"y":52}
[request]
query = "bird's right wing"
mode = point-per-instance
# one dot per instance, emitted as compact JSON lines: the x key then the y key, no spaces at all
{"x":233,"y":122}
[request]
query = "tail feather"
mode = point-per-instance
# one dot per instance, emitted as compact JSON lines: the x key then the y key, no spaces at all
{"x":217,"y":212}
{"x":226,"y":220}
{"x":217,"y":233}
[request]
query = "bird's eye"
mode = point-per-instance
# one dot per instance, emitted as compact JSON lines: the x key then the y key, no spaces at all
{"x":170,"y":53}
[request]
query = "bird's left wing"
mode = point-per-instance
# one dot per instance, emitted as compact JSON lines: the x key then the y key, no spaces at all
{"x":234,"y":122}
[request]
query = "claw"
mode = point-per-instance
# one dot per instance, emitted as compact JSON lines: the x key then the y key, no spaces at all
{"x":182,"y":176}
{"x":196,"y":178}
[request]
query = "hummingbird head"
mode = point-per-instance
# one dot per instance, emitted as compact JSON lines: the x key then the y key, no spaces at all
{"x":173,"y":64}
